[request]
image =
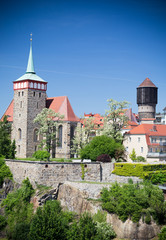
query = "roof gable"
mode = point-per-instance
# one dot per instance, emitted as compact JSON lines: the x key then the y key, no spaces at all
{"x":62,"y":106}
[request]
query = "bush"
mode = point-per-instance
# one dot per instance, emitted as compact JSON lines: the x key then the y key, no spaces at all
{"x":3,"y":222}
{"x":101,"y":145}
{"x":134,"y":201}
{"x":41,"y":155}
{"x":103,"y":158}
{"x":4,"y":172}
{"x":156,"y":173}
{"x":105,"y":231}
{"x":162,"y":234}
{"x":140,"y":159}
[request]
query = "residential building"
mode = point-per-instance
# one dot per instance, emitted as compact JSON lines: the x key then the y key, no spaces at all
{"x":148,"y":140}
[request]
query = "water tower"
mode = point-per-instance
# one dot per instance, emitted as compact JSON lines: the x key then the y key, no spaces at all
{"x":146,"y":99}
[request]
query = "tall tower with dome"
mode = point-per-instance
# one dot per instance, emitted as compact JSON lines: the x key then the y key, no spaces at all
{"x":29,"y":100}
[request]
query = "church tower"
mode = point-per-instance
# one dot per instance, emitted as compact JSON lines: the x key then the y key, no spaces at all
{"x":29,"y":100}
{"x":146,"y":99}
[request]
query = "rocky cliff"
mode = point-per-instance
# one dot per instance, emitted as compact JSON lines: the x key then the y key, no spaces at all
{"x":81,"y":197}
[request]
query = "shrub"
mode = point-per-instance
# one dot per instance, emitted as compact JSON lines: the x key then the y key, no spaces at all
{"x":140,"y":159}
{"x":41,"y":155}
{"x":105,"y":231}
{"x":134,"y":201}
{"x":162,"y":234}
{"x":100,"y":145}
{"x":132,"y":155}
{"x":4,"y":172}
{"x":156,"y":173}
{"x":3,"y":222}
{"x":103,"y":158}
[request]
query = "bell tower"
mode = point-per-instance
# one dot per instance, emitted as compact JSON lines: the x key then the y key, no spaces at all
{"x":29,"y":100}
{"x":146,"y":99}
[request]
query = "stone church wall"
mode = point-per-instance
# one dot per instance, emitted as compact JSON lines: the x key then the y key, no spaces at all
{"x":50,"y":173}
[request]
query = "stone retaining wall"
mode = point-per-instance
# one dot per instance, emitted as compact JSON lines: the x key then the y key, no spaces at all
{"x":50,"y":173}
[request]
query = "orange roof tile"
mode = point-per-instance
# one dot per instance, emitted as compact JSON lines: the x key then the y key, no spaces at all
{"x":149,"y":129}
{"x":58,"y":104}
{"x":9,"y":112}
{"x":147,"y":83}
{"x":62,"y":106}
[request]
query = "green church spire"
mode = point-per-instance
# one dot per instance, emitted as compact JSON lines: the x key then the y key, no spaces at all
{"x":30,"y":66}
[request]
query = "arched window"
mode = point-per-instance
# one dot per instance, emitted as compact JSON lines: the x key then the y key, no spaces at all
{"x":72,"y":132}
{"x":60,"y":136}
{"x":35,"y":135}
{"x":19,"y":134}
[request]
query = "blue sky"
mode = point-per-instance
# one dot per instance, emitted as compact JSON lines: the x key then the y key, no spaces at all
{"x":88,"y":50}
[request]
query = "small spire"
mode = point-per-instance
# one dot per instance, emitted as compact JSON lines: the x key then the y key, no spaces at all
{"x":30,"y":66}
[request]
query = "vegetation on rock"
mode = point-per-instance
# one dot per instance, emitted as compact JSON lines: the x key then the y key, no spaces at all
{"x":135,"y":201}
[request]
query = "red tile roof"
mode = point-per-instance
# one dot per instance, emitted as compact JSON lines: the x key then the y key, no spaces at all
{"x":58,"y":104}
{"x":147,"y":83}
{"x":149,"y":129}
{"x":62,"y":106}
{"x":9,"y":112}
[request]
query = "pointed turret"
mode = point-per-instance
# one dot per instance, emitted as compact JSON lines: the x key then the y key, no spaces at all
{"x":30,"y":79}
{"x":30,"y":66}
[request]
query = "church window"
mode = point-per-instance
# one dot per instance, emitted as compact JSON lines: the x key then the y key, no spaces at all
{"x":19,"y":134}
{"x":42,"y":86}
{"x":60,"y":136}
{"x":35,"y":135}
{"x":21,"y":85}
{"x":35,"y":148}
{"x":138,"y":139}
{"x":38,"y":85}
{"x":21,"y":104}
{"x":142,"y":149}
{"x":18,"y":93}
{"x":31,"y":85}
{"x":37,"y":105}
{"x":22,"y":93}
{"x":25,"y":84}
{"x":18,"y":148}
{"x":18,"y":85}
{"x":39,"y":94}
{"x":34,"y":94}
{"x":34,"y":85}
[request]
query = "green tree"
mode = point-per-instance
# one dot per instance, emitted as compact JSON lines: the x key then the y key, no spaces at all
{"x":48,"y":121}
{"x":84,"y":133}
{"x":7,"y":148}
{"x":101,"y":145}
{"x":49,"y":222}
{"x":18,"y":209}
{"x":115,"y":119}
{"x":133,"y":155}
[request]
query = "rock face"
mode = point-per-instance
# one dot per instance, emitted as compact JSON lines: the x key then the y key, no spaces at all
{"x":75,"y":197}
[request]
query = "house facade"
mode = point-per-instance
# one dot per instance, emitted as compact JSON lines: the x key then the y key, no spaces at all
{"x":148,"y":141}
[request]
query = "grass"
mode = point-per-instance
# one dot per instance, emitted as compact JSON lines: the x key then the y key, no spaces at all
{"x":51,"y":160}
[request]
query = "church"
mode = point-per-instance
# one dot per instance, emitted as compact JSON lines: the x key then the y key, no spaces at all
{"x":30,"y":98}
